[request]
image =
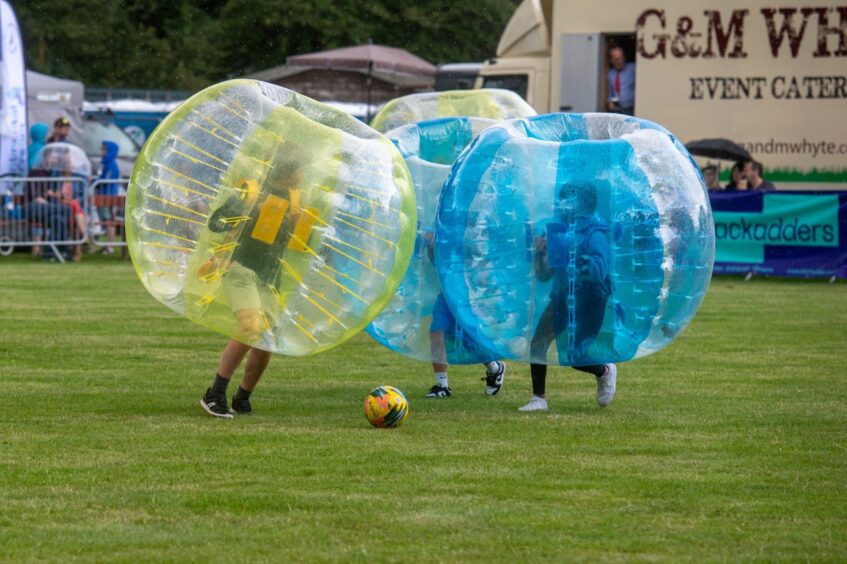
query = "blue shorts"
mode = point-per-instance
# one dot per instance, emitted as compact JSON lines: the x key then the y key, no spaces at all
{"x":442,"y":317}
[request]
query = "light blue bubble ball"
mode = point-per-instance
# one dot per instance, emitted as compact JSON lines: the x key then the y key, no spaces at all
{"x":574,"y":239}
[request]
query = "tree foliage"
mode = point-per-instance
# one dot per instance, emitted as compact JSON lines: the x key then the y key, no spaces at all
{"x":184,"y":44}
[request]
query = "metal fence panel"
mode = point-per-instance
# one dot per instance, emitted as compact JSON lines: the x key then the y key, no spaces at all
{"x":108,"y":203}
{"x":43,"y":211}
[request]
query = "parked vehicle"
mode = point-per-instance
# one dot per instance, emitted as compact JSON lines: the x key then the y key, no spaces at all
{"x":456,"y":76}
{"x":771,"y":78}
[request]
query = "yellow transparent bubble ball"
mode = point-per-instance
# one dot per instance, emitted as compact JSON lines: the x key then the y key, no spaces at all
{"x":270,"y":217}
{"x":491,"y":103}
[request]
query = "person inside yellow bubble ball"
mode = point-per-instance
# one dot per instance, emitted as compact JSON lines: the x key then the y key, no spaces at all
{"x":250,"y":219}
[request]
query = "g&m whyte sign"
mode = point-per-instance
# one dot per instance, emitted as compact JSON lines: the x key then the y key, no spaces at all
{"x":817,"y":32}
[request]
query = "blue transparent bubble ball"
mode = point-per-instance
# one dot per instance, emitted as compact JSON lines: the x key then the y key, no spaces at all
{"x":574,"y":239}
{"x":418,"y":308}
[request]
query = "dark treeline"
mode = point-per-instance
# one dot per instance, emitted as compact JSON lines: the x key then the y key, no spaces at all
{"x":183,"y":44}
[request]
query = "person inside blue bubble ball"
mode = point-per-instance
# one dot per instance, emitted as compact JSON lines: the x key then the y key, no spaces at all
{"x":575,"y":254}
{"x":443,"y":323}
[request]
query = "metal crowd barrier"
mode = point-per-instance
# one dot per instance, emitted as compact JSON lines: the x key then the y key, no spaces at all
{"x":44,"y":213}
{"x":110,"y":211}
{"x":59,"y":212}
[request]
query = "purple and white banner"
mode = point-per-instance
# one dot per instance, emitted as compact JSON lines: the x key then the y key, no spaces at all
{"x":13,"y":129}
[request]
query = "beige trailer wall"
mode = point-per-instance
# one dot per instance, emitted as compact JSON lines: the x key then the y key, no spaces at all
{"x":769,"y":74}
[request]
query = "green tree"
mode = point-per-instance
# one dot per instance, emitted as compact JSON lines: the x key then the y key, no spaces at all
{"x":187,"y":44}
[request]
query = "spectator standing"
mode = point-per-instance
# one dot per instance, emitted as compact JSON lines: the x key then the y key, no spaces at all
{"x":43,"y":206}
{"x":737,"y":178}
{"x":37,"y":135}
{"x":108,"y":171}
{"x":61,"y":130}
{"x":710,"y":177}
{"x":753,"y":171}
{"x":621,"y":80}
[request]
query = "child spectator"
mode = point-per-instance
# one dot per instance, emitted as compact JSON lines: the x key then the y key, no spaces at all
{"x":37,"y":135}
{"x":108,"y":171}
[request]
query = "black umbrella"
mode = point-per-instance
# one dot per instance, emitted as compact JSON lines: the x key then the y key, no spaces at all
{"x":718,"y":149}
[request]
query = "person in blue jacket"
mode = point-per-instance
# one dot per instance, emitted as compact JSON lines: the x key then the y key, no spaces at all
{"x":37,"y":136}
{"x":109,"y":171}
{"x":577,"y":254}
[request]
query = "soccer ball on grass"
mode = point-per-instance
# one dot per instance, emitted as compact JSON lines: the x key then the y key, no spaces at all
{"x":386,"y":407}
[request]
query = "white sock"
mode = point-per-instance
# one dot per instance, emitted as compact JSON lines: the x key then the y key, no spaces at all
{"x":492,"y":367}
{"x":441,"y":379}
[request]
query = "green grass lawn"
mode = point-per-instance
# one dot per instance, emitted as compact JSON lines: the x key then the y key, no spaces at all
{"x":728,"y":445}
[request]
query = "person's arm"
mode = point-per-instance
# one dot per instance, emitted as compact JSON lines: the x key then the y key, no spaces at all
{"x":594,"y":263}
{"x":610,"y":85}
{"x":231,"y":208}
{"x":542,"y":268}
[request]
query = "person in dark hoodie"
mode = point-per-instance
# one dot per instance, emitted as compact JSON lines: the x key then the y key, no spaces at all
{"x":583,"y":249}
{"x":108,"y":171}
{"x":37,"y":136}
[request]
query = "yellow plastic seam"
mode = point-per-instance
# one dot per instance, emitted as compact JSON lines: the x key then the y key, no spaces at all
{"x":223,"y":247}
{"x":342,"y":286}
{"x":289,"y":270}
{"x":206,"y":300}
{"x":218,"y":125}
{"x":199,"y":150}
{"x":212,"y":133}
{"x":235,"y":220}
{"x":365,"y":231}
{"x":168,"y":217}
{"x":304,"y":331}
{"x":164,"y":246}
{"x":360,"y":263}
{"x":178,"y":206}
{"x":181,"y":187}
{"x":354,"y":247}
{"x":323,"y":310}
{"x":363,"y":219}
{"x":280,"y":298}
{"x":195,"y":160}
{"x":169,"y":235}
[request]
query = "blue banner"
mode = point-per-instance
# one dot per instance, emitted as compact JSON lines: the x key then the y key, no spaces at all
{"x":800,"y":234}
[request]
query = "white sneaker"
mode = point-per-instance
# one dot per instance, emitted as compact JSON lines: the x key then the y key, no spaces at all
{"x":535,"y":404}
{"x":607,"y":385}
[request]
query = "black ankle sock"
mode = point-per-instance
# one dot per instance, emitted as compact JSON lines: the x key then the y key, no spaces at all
{"x":596,"y":369}
{"x":242,"y":393}
{"x":220,"y":384}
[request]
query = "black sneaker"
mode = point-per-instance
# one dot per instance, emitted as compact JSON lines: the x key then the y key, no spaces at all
{"x":241,"y":406}
{"x":439,"y":392}
{"x":215,"y":404}
{"x":494,"y":380}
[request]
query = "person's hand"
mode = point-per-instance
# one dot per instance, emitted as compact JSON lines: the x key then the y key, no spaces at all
{"x":582,"y":264}
{"x":428,"y":238}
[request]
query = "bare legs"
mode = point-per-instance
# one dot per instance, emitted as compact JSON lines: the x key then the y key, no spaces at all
{"x":233,"y":355}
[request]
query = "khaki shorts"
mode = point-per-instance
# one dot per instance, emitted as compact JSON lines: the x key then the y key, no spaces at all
{"x":244,"y":290}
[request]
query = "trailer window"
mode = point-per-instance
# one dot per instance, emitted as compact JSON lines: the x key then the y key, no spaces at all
{"x":517,"y":83}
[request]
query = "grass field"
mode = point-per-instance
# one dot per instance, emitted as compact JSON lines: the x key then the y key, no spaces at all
{"x":731,"y":444}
